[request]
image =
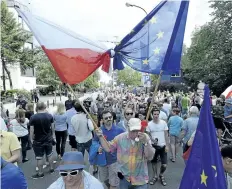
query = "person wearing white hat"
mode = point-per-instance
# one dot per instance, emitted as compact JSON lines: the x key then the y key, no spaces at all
{"x":133,"y":150}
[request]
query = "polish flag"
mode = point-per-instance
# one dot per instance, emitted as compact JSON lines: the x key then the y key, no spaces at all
{"x":228,"y":92}
{"x":73,"y":56}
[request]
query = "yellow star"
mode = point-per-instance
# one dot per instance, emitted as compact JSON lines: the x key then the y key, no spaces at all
{"x":146,"y":61}
{"x":215,"y":168}
{"x":160,"y":35}
{"x":153,"y":20}
{"x":145,"y":22}
{"x":157,"y":50}
{"x":131,"y":61}
{"x":203,"y":178}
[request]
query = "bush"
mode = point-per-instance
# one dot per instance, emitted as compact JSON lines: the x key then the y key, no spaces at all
{"x":9,"y":95}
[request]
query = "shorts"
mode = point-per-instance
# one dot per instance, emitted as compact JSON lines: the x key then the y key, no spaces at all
{"x":72,"y":141}
{"x":109,"y":172}
{"x":41,"y":149}
{"x":163,"y":155}
{"x":174,"y":139}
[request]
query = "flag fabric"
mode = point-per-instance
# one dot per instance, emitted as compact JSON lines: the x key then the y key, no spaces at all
{"x":73,"y":56}
{"x":204,"y":167}
{"x":228,"y":92}
{"x":156,"y":42}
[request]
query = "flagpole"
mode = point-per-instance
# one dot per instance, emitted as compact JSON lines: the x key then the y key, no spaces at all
{"x":89,"y":116}
{"x":154,"y":94}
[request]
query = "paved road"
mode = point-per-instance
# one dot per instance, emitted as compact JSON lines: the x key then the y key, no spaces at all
{"x":173,"y":174}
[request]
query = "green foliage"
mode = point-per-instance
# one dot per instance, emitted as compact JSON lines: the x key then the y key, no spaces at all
{"x":11,"y":93}
{"x":45,"y":73}
{"x":209,"y":58}
{"x":13,"y":38}
{"x":129,"y":76}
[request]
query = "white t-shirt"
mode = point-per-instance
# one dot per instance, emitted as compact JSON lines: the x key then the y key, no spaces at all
{"x":163,"y":116}
{"x":19,"y":129}
{"x":83,"y":127}
{"x":3,"y":125}
{"x":157,"y":131}
{"x":167,"y":108}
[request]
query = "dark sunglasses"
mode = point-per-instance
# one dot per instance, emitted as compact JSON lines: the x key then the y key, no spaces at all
{"x":129,"y":113}
{"x":106,"y":118}
{"x":71,"y":173}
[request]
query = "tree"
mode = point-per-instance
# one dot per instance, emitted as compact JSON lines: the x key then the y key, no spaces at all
{"x":13,"y":38}
{"x":209,"y":58}
{"x":128,"y":76}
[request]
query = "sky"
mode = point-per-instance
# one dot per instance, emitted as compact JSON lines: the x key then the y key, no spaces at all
{"x":109,"y":20}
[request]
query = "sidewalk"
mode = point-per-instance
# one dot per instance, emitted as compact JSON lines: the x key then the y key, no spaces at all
{"x":51,"y":109}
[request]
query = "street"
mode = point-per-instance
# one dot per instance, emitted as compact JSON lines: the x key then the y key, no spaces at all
{"x":173,"y":173}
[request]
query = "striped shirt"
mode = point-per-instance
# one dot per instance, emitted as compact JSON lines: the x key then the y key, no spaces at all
{"x":131,"y":159}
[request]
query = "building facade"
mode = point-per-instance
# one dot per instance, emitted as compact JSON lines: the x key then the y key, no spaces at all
{"x":21,"y":78}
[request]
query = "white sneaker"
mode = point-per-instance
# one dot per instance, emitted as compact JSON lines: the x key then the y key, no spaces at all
{"x":37,"y":169}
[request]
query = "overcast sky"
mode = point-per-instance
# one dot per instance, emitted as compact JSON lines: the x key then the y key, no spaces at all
{"x":107,"y":19}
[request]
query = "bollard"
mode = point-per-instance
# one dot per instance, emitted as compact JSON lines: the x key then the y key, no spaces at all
{"x":53,"y":102}
{"x":48,"y":104}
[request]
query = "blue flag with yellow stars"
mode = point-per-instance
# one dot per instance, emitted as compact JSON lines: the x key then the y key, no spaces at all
{"x":155,"y":44}
{"x":204,"y":167}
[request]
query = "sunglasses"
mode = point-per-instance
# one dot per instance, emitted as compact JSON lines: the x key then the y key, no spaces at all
{"x":106,"y":118}
{"x":129,"y":113}
{"x":71,"y":173}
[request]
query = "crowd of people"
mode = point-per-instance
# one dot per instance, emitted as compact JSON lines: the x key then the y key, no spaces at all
{"x":119,"y":148}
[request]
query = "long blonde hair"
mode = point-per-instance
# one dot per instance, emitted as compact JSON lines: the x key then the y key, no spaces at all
{"x":60,"y":108}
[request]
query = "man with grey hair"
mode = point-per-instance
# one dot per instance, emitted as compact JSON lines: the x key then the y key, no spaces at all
{"x":189,"y":126}
{"x":41,"y":137}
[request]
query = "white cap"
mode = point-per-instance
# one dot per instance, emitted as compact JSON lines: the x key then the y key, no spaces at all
{"x":134,"y":124}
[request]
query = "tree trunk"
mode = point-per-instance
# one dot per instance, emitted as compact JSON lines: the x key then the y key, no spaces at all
{"x":8,"y":73}
{"x":3,"y":77}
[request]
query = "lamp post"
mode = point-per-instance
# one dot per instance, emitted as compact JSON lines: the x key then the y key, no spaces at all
{"x":131,"y":5}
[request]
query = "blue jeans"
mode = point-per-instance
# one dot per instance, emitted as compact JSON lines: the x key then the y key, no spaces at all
{"x":124,"y":184}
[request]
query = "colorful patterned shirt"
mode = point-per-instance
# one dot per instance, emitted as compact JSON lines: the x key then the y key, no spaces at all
{"x":131,"y":159}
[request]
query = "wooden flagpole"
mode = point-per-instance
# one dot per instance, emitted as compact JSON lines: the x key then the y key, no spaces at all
{"x":94,"y":124}
{"x":154,"y":94}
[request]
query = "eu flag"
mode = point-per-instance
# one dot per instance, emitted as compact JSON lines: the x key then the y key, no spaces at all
{"x":204,"y":167}
{"x":156,"y":42}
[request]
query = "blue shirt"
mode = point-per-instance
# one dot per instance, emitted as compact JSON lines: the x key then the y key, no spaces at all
{"x":227,"y":112}
{"x":70,"y":113}
{"x":189,"y":126}
{"x":12,"y":177}
{"x":60,"y":122}
{"x":110,"y":135}
{"x":175,"y":124}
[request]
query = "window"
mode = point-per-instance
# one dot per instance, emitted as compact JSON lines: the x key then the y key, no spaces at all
{"x":28,"y":72}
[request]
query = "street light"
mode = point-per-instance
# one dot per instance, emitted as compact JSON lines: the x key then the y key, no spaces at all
{"x":131,"y":5}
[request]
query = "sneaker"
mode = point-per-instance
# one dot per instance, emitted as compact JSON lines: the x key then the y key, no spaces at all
{"x":44,"y":166}
{"x":25,"y":160}
{"x":37,"y":168}
{"x":54,"y":161}
{"x":37,"y":176}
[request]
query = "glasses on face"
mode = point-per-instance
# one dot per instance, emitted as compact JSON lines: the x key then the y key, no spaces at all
{"x":130,"y":113}
{"x":71,"y":173}
{"x":106,"y":118}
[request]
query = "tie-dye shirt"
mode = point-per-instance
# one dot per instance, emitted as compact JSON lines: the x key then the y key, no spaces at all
{"x":131,"y":159}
